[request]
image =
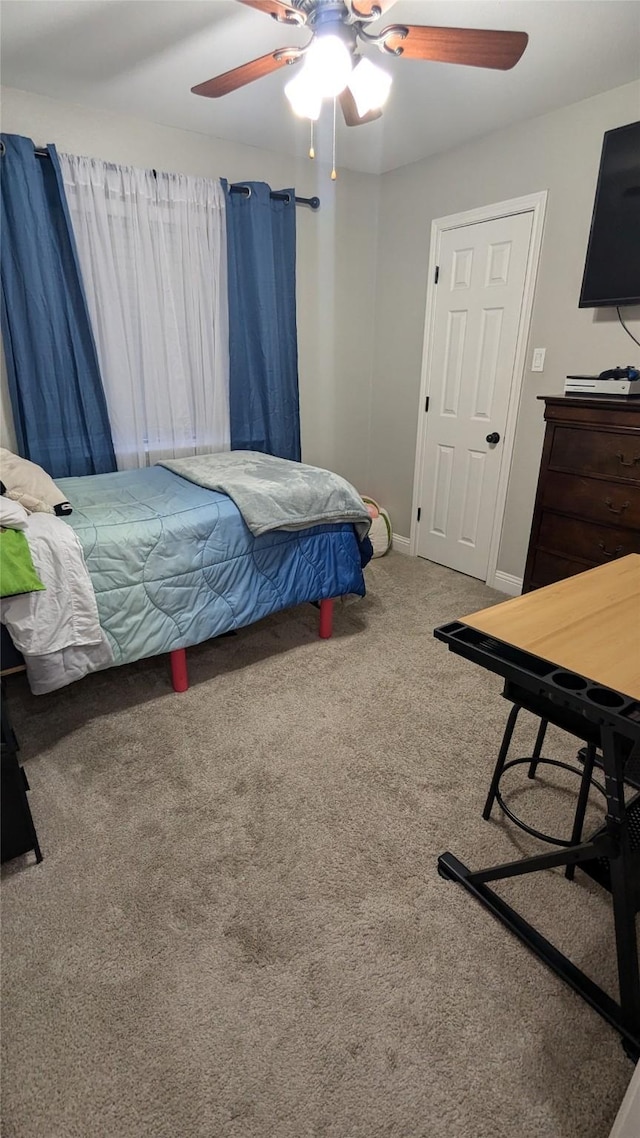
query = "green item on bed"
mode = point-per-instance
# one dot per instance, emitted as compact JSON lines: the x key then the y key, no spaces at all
{"x":17,"y":571}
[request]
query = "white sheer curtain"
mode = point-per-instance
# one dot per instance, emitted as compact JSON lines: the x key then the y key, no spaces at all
{"x":153,"y":255}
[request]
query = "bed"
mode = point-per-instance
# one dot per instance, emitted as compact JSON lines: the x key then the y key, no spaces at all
{"x":173,"y":563}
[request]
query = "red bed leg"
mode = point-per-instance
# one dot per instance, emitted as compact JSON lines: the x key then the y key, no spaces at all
{"x":326,"y":619}
{"x":179,"y":673}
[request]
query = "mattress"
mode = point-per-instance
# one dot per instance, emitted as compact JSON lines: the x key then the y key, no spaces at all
{"x":173,"y":564}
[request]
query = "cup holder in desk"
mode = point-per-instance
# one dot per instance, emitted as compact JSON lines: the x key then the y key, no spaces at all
{"x":569,"y":681}
{"x":604,"y":697}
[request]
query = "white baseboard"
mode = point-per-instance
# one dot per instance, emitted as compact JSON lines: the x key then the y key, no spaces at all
{"x":506,"y":583}
{"x":503,"y":582}
{"x":400,"y":544}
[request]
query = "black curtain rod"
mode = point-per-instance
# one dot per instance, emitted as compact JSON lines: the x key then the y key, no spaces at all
{"x":277,"y":195}
{"x":238,"y":188}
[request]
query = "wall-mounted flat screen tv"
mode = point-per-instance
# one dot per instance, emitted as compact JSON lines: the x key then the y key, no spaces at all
{"x":612,"y":268}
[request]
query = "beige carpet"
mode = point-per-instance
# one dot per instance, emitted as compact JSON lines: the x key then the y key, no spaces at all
{"x":238,"y":930}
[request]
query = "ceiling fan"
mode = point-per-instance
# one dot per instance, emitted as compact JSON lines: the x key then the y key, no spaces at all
{"x":332,"y":64}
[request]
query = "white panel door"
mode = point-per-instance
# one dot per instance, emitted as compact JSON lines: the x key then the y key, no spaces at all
{"x":479,"y":299}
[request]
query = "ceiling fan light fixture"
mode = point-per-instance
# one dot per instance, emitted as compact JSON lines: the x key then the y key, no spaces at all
{"x":303,"y":97}
{"x":370,"y":86}
{"x":328,"y":65}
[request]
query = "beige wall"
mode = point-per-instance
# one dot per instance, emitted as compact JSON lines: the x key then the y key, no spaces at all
{"x":336,"y":255}
{"x":558,"y":152}
{"x":7,"y":433}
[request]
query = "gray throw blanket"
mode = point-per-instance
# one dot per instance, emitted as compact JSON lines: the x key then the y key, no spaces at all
{"x":274,"y":493}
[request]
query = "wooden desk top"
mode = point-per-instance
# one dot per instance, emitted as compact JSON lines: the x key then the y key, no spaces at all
{"x":589,"y":624}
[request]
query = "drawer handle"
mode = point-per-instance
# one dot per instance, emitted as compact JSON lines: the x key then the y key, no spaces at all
{"x":620,"y":457}
{"x":616,"y":509}
{"x":616,"y":552}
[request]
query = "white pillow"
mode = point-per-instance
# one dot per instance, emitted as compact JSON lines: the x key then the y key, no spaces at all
{"x":12,"y":514}
{"x":29,"y":484}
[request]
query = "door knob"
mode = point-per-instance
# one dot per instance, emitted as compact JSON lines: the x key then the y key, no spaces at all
{"x":494,"y":437}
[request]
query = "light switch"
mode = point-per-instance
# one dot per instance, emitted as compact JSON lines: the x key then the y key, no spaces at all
{"x":537,"y":363}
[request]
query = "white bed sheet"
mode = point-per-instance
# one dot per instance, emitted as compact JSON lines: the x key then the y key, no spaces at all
{"x":56,"y":630}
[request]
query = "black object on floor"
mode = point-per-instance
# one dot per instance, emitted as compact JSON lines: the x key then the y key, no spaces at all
{"x":18,"y":833}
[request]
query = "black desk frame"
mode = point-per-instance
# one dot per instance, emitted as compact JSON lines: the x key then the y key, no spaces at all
{"x":611,"y":856}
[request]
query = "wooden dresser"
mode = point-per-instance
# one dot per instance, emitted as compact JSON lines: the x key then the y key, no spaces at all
{"x":587,"y":509}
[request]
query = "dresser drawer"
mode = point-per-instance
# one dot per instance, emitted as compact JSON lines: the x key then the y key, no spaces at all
{"x":549,"y":567}
{"x":593,"y":499}
{"x":585,"y":541}
{"x":596,"y":452}
{"x":587,"y":509}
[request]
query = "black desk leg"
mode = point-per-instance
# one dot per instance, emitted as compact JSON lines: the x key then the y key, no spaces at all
{"x":454,"y":870}
{"x":614,"y":844}
{"x":623,"y":890}
{"x":595,"y":996}
{"x":501,"y":760}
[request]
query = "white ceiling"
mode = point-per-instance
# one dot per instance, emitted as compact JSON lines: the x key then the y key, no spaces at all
{"x":142,"y":57}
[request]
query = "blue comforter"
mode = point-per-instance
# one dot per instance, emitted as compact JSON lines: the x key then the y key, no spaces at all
{"x":173,"y":564}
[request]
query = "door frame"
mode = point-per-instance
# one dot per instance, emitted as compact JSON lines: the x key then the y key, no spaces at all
{"x":536,"y":204}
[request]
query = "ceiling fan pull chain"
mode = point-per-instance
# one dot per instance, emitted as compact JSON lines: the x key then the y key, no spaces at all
{"x":312,"y":151}
{"x":333,"y":166}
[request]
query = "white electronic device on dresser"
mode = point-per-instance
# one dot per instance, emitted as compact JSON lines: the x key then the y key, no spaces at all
{"x":624,"y":381}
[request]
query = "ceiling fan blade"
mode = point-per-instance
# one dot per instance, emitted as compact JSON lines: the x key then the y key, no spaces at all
{"x":474,"y":47}
{"x":280,"y":11}
{"x":240,"y":76}
{"x":350,"y":110}
{"x":365,"y":8}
